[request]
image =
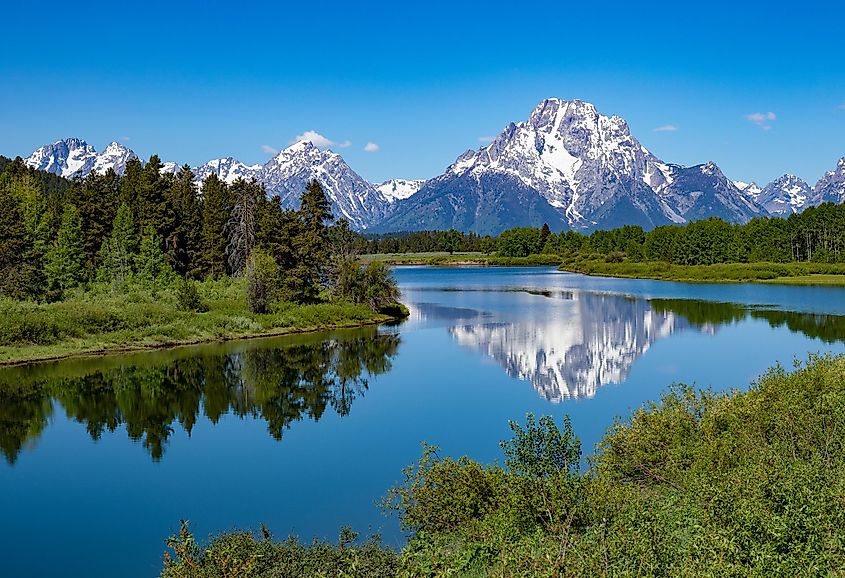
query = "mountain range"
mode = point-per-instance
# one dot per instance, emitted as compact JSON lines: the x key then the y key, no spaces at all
{"x":567,"y":165}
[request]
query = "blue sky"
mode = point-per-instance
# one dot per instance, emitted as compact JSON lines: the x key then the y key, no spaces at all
{"x":425,"y":81}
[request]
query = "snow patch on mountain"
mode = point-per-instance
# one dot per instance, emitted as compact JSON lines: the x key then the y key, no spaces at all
{"x":831,"y":187}
{"x":785,"y":195}
{"x":398,"y":189}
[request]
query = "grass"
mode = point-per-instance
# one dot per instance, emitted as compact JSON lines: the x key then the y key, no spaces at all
{"x":444,"y":259}
{"x":100,"y":321}
{"x":778,"y":273}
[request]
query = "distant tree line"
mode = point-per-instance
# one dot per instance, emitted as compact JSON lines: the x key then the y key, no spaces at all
{"x":450,"y":241}
{"x":157,"y":228}
{"x":815,"y":235}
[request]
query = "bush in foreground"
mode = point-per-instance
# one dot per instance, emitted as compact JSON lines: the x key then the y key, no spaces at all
{"x":740,"y":484}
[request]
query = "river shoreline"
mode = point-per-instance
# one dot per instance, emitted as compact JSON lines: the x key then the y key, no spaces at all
{"x":801,"y":274}
{"x":377,"y":319}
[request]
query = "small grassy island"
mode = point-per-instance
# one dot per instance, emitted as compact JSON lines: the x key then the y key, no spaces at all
{"x":149,"y":259}
{"x":741,"y":484}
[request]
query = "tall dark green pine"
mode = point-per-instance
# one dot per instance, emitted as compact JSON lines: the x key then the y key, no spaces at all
{"x":305,"y":280}
{"x":65,"y":259}
{"x":23,"y":271}
{"x":13,"y":245}
{"x":153,"y":207}
{"x":183,"y":243}
{"x":545,"y":232}
{"x":216,"y":209}
{"x":96,"y":199}
{"x":130,"y":187}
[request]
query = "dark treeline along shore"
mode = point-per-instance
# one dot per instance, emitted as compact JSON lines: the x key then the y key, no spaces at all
{"x":793,"y":249}
{"x":111,"y":262}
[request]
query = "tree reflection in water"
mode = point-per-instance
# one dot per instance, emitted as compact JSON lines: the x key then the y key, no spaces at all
{"x":280,"y":381}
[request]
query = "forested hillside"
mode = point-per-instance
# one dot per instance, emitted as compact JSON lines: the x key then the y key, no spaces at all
{"x":115,"y":261}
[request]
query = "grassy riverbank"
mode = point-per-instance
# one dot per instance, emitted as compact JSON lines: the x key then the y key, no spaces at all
{"x":697,"y":484}
{"x":779,"y":273}
{"x":100,"y":321}
{"x":444,"y":259}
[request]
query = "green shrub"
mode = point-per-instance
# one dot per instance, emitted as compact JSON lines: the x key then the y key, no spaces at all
{"x":187,"y":296}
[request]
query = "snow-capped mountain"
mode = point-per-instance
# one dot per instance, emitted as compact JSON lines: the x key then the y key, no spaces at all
{"x":572,"y":167}
{"x":785,"y":195}
{"x":399,"y":189}
{"x":74,"y":157}
{"x":703,"y":191}
{"x":228,"y":170}
{"x":351,"y":196}
{"x":831,"y":187}
{"x":567,"y":165}
{"x":751,"y":189}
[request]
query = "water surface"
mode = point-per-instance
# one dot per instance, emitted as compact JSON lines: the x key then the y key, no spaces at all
{"x":102,"y":457}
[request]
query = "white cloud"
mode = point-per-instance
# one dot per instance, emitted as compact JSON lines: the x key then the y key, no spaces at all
{"x":666,"y":128}
{"x":345,"y":144}
{"x":762,"y":119}
{"x":486,"y":139}
{"x":125,"y":138}
{"x":269,"y":150}
{"x":371,"y":147}
{"x":315,"y":139}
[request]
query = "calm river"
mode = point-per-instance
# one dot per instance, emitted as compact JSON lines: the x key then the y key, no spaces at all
{"x":101,"y":458}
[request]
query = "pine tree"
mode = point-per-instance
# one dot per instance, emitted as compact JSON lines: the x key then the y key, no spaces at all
{"x":119,"y":252}
{"x":545,"y":232}
{"x":131,"y":185}
{"x":65,"y":259}
{"x":152,"y":266}
{"x":216,"y":209}
{"x":96,"y":199}
{"x":153,"y":208}
{"x":306,"y":278}
{"x":183,"y":244}
{"x":13,"y":245}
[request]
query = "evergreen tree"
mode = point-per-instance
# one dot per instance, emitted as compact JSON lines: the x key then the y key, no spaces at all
{"x":306,"y":278}
{"x":545,"y":232}
{"x":120,"y":250}
{"x":131,"y":185}
{"x":183,"y":244}
{"x":65,"y":259}
{"x":96,"y":199}
{"x":152,"y":266}
{"x":153,"y":208}
{"x":13,"y":246}
{"x":216,"y":209}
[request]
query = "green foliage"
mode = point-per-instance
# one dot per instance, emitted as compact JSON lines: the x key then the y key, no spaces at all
{"x":188,"y":297}
{"x":152,"y":266}
{"x":216,"y":209}
{"x":541,"y":450}
{"x":519,"y":242}
{"x":373,"y":284}
{"x":305,"y":277}
{"x":262,"y":276}
{"x":120,"y":251}
{"x":452,"y":240}
{"x":740,"y":484}
{"x":244,"y":555}
{"x":65,"y":258}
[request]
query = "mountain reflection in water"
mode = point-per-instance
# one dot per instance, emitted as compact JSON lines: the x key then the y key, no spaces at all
{"x":280,"y":381}
{"x":598,"y":339}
